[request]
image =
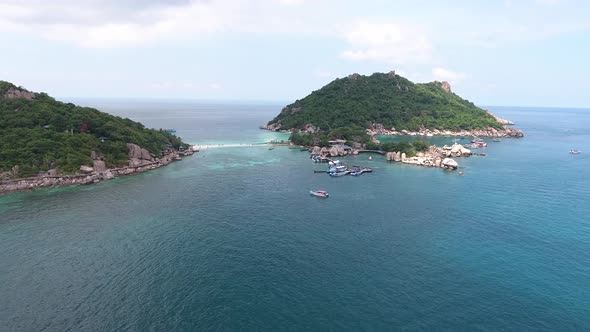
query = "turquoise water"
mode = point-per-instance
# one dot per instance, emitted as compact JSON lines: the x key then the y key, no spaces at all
{"x":230,"y":239}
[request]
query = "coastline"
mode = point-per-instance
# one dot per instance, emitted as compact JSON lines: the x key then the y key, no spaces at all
{"x":92,"y":175}
{"x":507,"y":132}
{"x":440,"y":157}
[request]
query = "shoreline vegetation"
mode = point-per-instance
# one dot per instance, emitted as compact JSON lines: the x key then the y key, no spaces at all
{"x":46,"y":143}
{"x":91,"y":175}
{"x":345,"y":116}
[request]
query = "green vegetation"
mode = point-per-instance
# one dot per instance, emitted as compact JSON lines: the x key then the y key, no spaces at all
{"x":41,"y":133}
{"x":357,"y":134}
{"x":409,"y":148}
{"x":350,"y":134}
{"x":386,"y":99}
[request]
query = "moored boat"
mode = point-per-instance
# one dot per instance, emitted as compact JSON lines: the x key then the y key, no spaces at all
{"x":335,"y":174}
{"x":575,"y":151}
{"x":356,"y":172}
{"x":476,"y":141}
{"x":319,"y":193}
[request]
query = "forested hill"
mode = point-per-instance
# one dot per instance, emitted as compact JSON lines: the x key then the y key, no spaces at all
{"x":38,"y":133}
{"x":387,"y":99}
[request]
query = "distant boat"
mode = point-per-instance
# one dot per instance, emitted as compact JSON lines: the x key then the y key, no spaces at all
{"x":370,"y":158}
{"x":335,"y":174}
{"x":271,"y":148}
{"x":497,"y":140}
{"x":337,"y":169}
{"x":319,"y":193}
{"x":575,"y":151}
{"x":356,"y":172}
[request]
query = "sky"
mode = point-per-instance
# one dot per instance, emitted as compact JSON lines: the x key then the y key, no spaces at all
{"x":504,"y":52}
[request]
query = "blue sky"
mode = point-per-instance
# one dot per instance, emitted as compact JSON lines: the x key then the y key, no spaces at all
{"x":511,"y":52}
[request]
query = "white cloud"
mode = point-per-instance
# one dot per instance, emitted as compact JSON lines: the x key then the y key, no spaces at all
{"x":388,"y":42}
{"x":127,"y":23}
{"x":106,"y":24}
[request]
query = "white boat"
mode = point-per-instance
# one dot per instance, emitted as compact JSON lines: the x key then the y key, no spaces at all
{"x":338,"y":173}
{"x":575,"y":151}
{"x":319,"y":193}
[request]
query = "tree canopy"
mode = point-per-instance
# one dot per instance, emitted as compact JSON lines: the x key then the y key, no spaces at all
{"x":40,"y":133}
{"x":387,"y":99}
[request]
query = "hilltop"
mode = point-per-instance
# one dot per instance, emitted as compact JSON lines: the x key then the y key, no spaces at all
{"x":39,"y":134}
{"x":382,"y":101}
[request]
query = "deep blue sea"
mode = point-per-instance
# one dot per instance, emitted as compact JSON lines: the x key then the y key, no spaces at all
{"x":230,"y":239}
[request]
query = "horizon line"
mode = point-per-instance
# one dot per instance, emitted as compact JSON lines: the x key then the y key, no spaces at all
{"x":270,"y":101}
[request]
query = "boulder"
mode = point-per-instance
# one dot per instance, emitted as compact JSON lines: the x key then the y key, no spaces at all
{"x":316,"y":150}
{"x":135,"y":151}
{"x":337,"y":151}
{"x":14,"y":92}
{"x":465,"y":152}
{"x":107,"y":175}
{"x":390,"y":156}
{"x":135,"y":162}
{"x":456,"y":149}
{"x":446,"y":86}
{"x":86,"y":169}
{"x":310,"y":129}
{"x":99,"y":165}
{"x":449,"y":163}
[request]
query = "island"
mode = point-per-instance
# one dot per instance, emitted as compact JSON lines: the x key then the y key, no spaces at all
{"x":46,"y":143}
{"x":345,"y":117}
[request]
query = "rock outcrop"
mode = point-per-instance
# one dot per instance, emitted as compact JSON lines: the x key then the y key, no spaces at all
{"x":14,"y":92}
{"x":446,"y":86}
{"x":449,"y":163}
{"x":99,"y":165}
{"x":139,"y":156}
{"x":433,"y":157}
{"x":506,"y":132}
{"x":86,"y":169}
{"x":310,"y":129}
{"x":91,"y":175}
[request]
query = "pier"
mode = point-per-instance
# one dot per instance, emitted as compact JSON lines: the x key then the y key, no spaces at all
{"x":236,"y":145}
{"x":372,"y":151}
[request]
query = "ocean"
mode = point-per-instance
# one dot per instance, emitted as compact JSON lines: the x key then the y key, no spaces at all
{"x":230,"y":239}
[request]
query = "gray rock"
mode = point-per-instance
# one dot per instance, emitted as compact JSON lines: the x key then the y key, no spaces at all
{"x":99,"y":166}
{"x":449,"y":163}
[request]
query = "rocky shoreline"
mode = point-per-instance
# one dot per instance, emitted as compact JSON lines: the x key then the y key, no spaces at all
{"x":433,"y":157}
{"x":506,"y":132}
{"x":379,"y":129}
{"x":441,"y":157}
{"x":140,"y":160}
